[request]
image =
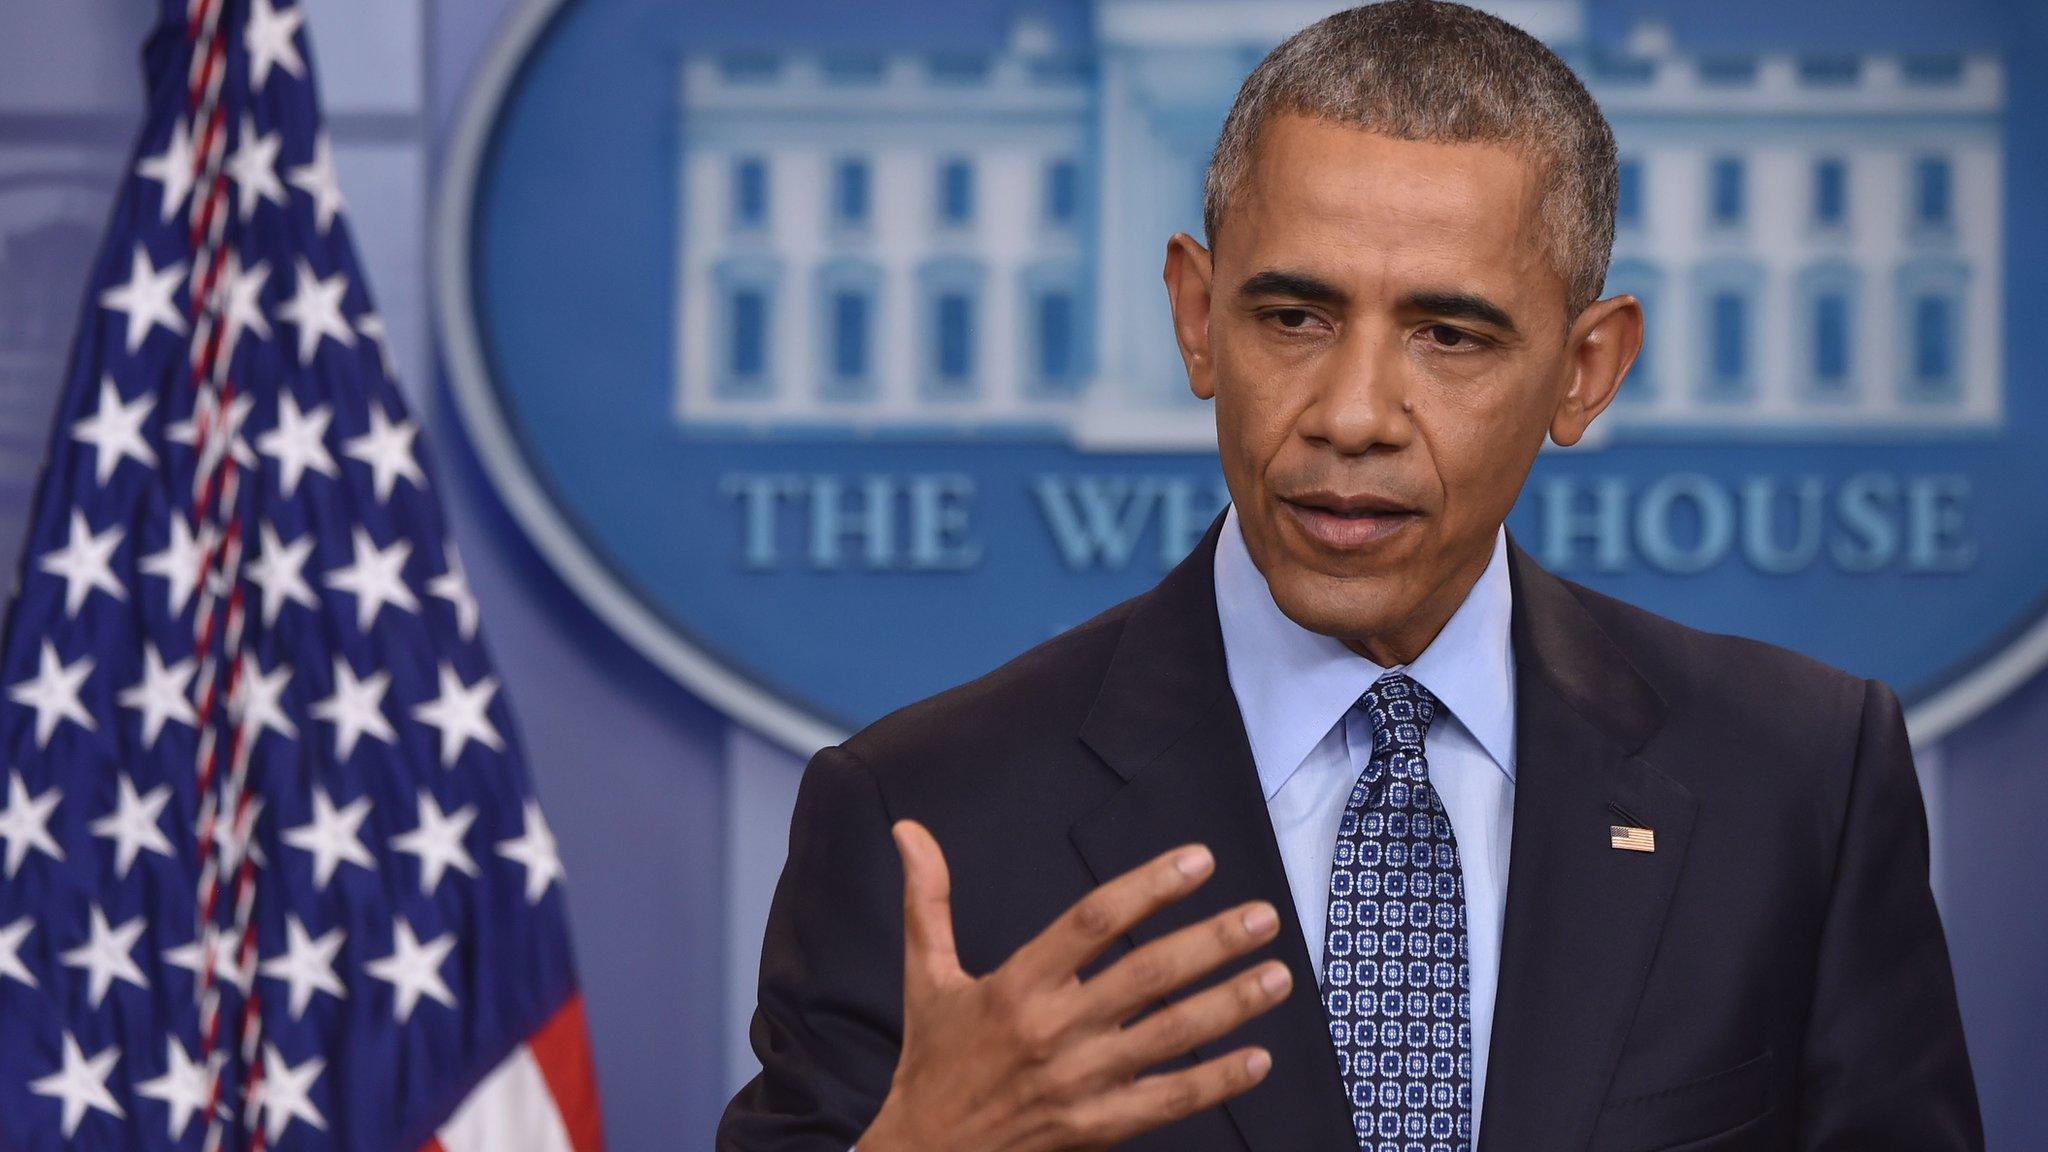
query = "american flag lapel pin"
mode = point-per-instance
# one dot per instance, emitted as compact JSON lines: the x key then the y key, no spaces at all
{"x":1630,"y":838}
{"x":1629,"y":835}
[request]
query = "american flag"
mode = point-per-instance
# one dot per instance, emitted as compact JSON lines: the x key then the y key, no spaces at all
{"x":272,"y":872}
{"x":1631,"y":838}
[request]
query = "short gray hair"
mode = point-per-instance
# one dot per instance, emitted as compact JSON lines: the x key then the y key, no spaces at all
{"x":1438,"y":71}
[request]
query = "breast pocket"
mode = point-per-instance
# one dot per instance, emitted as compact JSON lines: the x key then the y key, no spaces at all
{"x":1730,"y":1103}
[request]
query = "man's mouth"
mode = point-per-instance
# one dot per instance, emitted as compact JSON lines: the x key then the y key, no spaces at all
{"x":1347,"y":521}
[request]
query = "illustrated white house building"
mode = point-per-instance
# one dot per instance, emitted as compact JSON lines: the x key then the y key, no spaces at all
{"x":904,"y":244}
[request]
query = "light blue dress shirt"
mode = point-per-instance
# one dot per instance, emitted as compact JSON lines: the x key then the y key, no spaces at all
{"x":1296,"y":690}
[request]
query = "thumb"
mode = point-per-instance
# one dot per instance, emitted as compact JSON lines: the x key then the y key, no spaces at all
{"x":928,"y":952}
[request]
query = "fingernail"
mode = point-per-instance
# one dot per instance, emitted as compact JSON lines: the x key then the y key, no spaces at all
{"x":1193,"y":862}
{"x":1261,"y":920}
{"x":1258,"y":1062}
{"x":1274,"y":980}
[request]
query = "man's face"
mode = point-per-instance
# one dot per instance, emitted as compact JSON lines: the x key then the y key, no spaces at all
{"x":1385,"y":338}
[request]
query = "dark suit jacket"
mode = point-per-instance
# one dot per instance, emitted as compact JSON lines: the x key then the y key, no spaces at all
{"x":1772,"y":976}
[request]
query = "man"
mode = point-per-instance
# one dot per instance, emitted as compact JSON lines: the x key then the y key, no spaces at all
{"x":1519,"y":866}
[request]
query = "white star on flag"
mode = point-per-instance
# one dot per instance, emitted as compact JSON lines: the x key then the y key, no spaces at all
{"x":332,"y":836}
{"x":460,"y":713}
{"x":278,"y":572}
{"x":307,"y":965}
{"x":11,"y":936}
{"x":133,"y":824}
{"x":186,"y":1086}
{"x":223,"y":432}
{"x":372,"y":325}
{"x":315,"y":310}
{"x":253,"y":167}
{"x":107,"y":956}
{"x":453,"y":586}
{"x":84,"y":563}
{"x":177,"y":564}
{"x":534,"y":848}
{"x":235,"y":836}
{"x":270,"y":41}
{"x":387,"y":449}
{"x":298,"y":443}
{"x":171,"y":168}
{"x":259,"y":705}
{"x":161,"y":694}
{"x":437,"y":842}
{"x":413,"y":969}
{"x":53,"y":693}
{"x":226,"y":967}
{"x":114,"y":431}
{"x":285,"y":1092}
{"x":25,"y":823}
{"x":376,"y":577}
{"x":317,"y":179}
{"x":356,"y":709}
{"x":244,"y":309}
{"x":146,"y":298}
{"x":81,"y":1084}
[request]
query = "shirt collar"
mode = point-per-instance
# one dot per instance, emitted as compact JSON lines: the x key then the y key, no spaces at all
{"x":1292,"y":684}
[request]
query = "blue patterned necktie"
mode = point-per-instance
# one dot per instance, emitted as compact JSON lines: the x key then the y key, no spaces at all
{"x":1395,"y":981}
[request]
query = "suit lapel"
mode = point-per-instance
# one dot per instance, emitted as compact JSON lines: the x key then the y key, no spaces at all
{"x":1583,"y":918}
{"x":1166,"y":721}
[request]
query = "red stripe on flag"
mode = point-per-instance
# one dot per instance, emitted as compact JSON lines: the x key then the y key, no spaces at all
{"x":432,"y":1145}
{"x":562,"y":1049}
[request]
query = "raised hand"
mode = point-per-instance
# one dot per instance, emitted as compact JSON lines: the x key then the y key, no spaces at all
{"x":1030,"y":1056}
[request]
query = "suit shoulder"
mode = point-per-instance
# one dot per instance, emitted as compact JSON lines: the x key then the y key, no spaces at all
{"x":1039,"y":695}
{"x":1722,"y":673}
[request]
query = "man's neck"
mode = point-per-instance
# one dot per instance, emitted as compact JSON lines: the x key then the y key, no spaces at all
{"x":1401,"y":644}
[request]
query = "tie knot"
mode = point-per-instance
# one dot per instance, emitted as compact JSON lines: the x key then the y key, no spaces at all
{"x":1401,"y":710}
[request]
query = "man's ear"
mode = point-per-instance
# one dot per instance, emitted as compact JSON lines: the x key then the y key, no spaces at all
{"x":1603,"y":342}
{"x":1189,"y":274}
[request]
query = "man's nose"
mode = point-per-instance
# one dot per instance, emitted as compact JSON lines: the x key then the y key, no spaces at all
{"x":1360,"y":396}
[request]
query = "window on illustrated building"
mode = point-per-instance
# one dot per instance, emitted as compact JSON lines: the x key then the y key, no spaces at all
{"x":1825,"y":308}
{"x":1830,"y":192}
{"x":1062,"y":192}
{"x":1628,"y":198}
{"x":749,"y":192}
{"x":743,"y":337}
{"x":956,"y":193}
{"x":950,"y":326}
{"x":850,"y":193}
{"x":849,"y":304}
{"x":1726,"y":194}
{"x":1726,"y":332}
{"x":1932,"y":207}
{"x":1930,"y":349}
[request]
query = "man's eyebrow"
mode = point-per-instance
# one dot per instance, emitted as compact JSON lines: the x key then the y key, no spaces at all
{"x":1461,"y":306}
{"x":1293,"y":285}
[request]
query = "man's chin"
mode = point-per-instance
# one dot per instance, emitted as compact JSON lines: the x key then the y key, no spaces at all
{"x":1346,"y":607}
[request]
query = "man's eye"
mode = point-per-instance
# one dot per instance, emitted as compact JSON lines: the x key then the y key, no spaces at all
{"x":1448,"y":337}
{"x":1293,"y":317}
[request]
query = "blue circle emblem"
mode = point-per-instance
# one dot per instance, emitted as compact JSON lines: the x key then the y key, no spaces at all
{"x":822,"y":348}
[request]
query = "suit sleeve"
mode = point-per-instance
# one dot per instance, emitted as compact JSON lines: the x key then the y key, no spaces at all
{"x":828,"y":1024}
{"x":1884,"y":1066}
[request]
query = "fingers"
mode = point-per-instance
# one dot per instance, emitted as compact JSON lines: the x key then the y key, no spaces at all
{"x":1153,"y":1101}
{"x":1213,"y":1012}
{"x":1175,"y":960}
{"x":928,"y":951}
{"x":1099,"y":918}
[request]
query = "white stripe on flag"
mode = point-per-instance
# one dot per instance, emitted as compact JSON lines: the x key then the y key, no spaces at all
{"x":512,"y":1110}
